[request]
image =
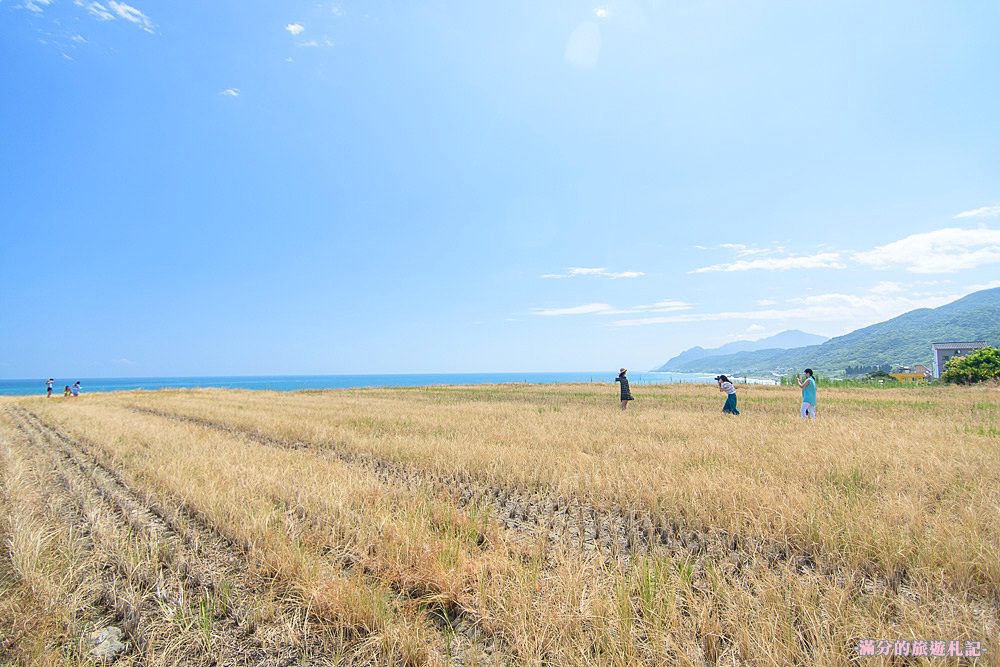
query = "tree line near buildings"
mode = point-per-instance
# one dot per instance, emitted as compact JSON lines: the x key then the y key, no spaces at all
{"x":980,"y":366}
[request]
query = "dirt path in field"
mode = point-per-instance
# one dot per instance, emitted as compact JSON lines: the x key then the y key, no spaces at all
{"x":184,"y":589}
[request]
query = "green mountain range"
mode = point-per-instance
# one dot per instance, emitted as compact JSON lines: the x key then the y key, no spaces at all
{"x":901,"y":341}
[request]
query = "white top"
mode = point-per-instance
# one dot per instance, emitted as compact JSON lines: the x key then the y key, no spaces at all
{"x":728,"y":387}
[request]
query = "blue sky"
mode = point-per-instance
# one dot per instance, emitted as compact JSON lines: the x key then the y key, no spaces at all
{"x":314,"y":187}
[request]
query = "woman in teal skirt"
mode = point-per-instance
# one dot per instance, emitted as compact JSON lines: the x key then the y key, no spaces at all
{"x":725,"y":385}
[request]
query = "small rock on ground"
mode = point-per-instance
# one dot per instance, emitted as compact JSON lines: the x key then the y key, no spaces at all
{"x":107,"y":643}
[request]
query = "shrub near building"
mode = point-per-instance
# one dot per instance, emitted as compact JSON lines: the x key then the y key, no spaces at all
{"x":980,"y":366}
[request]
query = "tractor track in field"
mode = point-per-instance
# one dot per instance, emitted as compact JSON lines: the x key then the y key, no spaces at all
{"x":109,"y":602}
{"x":197,"y":533}
{"x":615,"y":533}
{"x":198,"y":567}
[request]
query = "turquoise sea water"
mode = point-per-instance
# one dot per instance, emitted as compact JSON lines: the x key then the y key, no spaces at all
{"x":296,"y":382}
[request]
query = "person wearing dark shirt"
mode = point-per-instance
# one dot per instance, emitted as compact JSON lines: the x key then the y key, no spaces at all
{"x":626,"y":392}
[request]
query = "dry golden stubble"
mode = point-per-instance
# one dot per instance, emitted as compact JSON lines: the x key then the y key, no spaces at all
{"x":513,"y":595}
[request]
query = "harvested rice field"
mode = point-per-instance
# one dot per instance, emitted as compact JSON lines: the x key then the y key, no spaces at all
{"x":501,"y":525}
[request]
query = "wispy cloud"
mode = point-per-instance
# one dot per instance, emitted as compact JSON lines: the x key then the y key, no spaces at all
{"x":988,"y":285}
{"x":316,"y":43}
{"x":37,"y":6}
{"x":230,"y":92}
{"x":586,"y":309}
{"x":852,"y":310}
{"x":942,"y":251}
{"x":99,"y":11}
{"x":665,"y":306}
{"x":742,"y":250}
{"x":823,"y":260}
{"x":576,"y":272}
{"x":295,"y":29}
{"x":984,"y":212}
{"x":131,"y":14}
{"x":117,"y":10}
{"x":602,"y":12}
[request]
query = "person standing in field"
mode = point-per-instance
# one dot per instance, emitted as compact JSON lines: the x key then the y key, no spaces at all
{"x":726,"y":386}
{"x":76,"y":389}
{"x":626,"y":392}
{"x":48,"y":387}
{"x":808,"y":386}
{"x":66,"y":392}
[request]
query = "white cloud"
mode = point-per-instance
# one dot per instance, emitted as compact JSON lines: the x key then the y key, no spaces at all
{"x":37,"y":5}
{"x":316,"y":43}
{"x":850,"y":310}
{"x":98,"y":10}
{"x":131,"y":14}
{"x":887,"y":287}
{"x":602,"y":12}
{"x":742,"y":250}
{"x":823,"y":260}
{"x":586,"y":309}
{"x":942,"y":251}
{"x":79,"y":39}
{"x":295,"y":28}
{"x":231,"y":92}
{"x":665,"y":306}
{"x":984,"y":212}
{"x":576,"y":272}
{"x":981,"y":286}
{"x":337,"y":10}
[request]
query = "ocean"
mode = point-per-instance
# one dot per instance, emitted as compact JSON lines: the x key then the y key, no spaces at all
{"x":297,"y":382}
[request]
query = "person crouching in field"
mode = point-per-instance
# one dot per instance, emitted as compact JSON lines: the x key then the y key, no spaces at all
{"x":726,"y":386}
{"x":808,"y":386}
{"x":626,"y":392}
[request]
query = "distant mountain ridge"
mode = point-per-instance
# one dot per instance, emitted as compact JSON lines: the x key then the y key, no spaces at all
{"x":785,"y":340}
{"x":902,"y":341}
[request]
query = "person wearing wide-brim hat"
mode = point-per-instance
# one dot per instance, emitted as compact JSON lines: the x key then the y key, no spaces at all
{"x":626,"y":392}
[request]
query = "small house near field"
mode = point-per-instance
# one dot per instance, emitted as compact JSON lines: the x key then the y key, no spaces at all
{"x":920,"y":368}
{"x":946,"y":350}
{"x":909,"y":377}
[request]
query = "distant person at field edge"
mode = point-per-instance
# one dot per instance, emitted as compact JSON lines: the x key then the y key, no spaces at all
{"x":76,"y":389}
{"x":66,"y":391}
{"x":725,"y":385}
{"x":626,"y":392}
{"x":808,"y":386}
{"x":48,"y":388}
